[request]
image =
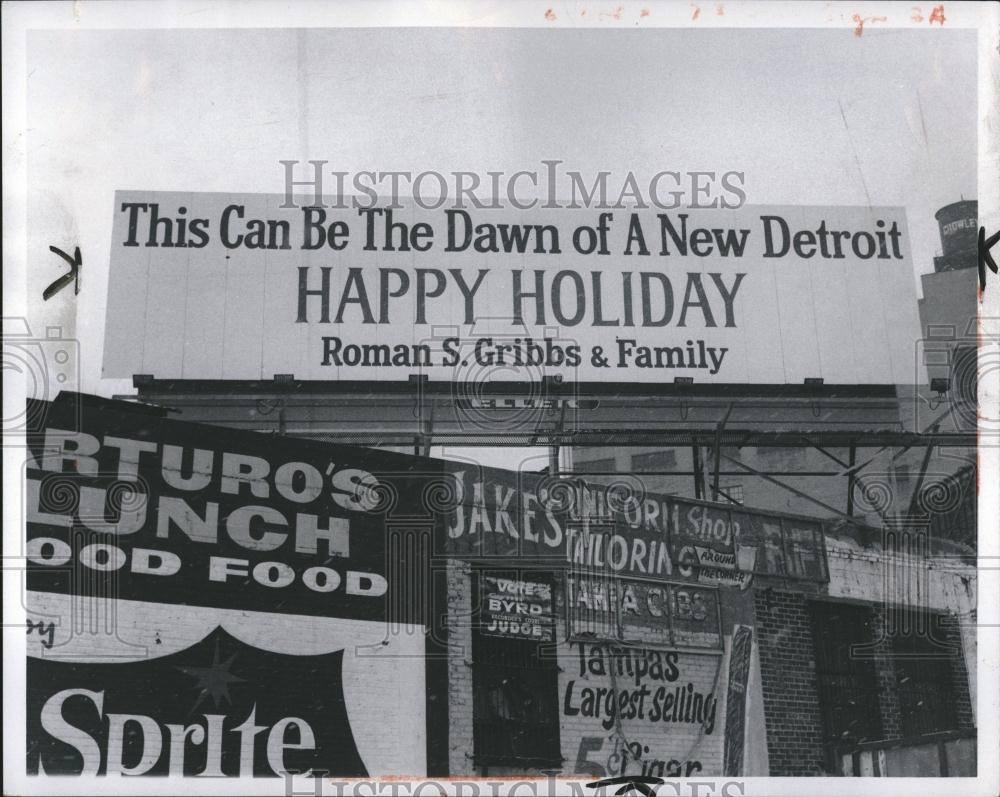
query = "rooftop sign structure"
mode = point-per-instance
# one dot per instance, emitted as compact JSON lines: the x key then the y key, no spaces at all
{"x":219,"y":286}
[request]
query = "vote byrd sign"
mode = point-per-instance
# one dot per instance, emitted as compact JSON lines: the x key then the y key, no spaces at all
{"x":516,"y":608}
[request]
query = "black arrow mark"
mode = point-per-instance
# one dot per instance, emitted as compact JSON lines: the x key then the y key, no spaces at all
{"x":985,"y":258}
{"x":73,"y":275}
{"x":630,"y":783}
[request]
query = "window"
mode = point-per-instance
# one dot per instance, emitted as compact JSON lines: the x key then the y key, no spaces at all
{"x":785,"y":546}
{"x":733,"y":491}
{"x":924,"y":679}
{"x":802,"y":543}
{"x":595,"y":466}
{"x":515,"y":694}
{"x":918,"y":657}
{"x":787,"y":458}
{"x":654,"y":461}
{"x":847,"y":683}
{"x":959,"y":524}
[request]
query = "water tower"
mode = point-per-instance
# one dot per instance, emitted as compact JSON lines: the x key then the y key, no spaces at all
{"x":959,"y":227}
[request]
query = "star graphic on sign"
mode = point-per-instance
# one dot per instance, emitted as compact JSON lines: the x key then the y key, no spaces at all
{"x":214,"y":680}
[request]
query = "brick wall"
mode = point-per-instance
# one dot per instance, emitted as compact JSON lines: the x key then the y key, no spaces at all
{"x":460,"y":703}
{"x":791,"y":698}
{"x":788,"y":674}
{"x":885,"y":672}
{"x":792,"y":717}
{"x":889,"y":675}
{"x":960,"y":674}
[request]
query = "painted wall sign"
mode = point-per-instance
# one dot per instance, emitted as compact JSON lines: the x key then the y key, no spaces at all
{"x":708,"y":538}
{"x":185,"y":513}
{"x":248,"y":288}
{"x":219,"y":707}
{"x":650,"y":689}
{"x":635,"y":710}
{"x":516,"y":608}
{"x":624,"y":531}
{"x":249,"y":609}
{"x":653,"y":613}
{"x":142,"y":688}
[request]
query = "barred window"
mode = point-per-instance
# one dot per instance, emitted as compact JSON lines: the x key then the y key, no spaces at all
{"x":734,"y":492}
{"x":847,"y":683}
{"x":515,"y":691}
{"x":924,"y":676}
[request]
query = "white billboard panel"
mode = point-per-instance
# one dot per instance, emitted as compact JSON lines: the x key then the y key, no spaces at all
{"x":218,"y":286}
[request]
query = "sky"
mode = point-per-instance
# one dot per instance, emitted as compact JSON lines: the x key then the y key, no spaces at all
{"x":818,"y":117}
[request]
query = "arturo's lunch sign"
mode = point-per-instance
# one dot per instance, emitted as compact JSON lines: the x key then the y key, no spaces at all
{"x":184,"y":513}
{"x":250,"y":285}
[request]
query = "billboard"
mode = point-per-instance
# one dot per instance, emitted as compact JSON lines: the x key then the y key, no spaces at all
{"x":229,"y":286}
{"x":204,"y":601}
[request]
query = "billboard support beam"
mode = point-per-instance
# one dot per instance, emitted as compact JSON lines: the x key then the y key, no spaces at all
{"x":850,"y":481}
{"x":827,"y":454}
{"x":914,"y":499}
{"x":788,"y":487}
{"x":428,"y":433}
{"x":554,"y":449}
{"x":717,"y":446}
{"x":699,"y":475}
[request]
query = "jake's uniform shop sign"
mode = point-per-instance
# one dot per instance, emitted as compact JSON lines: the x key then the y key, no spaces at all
{"x":756,"y":295}
{"x":628,"y":534}
{"x":516,"y":608}
{"x":249,"y":580}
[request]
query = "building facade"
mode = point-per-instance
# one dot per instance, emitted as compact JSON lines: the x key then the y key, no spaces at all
{"x":567,"y":626}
